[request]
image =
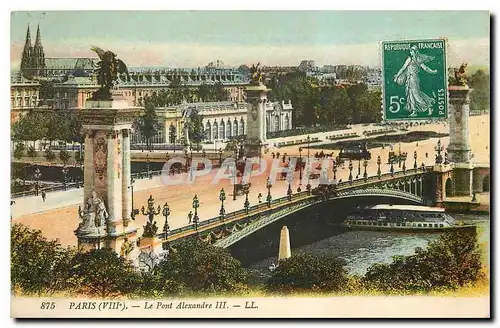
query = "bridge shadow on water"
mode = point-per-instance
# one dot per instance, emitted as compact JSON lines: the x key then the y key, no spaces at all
{"x":306,"y":227}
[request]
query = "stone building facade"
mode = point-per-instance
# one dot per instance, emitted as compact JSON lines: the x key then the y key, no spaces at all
{"x":222,"y":121}
{"x":24,"y":95}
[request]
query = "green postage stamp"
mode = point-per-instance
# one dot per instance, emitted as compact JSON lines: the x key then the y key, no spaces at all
{"x":415,"y":83}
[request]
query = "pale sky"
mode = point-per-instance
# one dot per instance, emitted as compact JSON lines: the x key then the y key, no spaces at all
{"x":194,"y":38}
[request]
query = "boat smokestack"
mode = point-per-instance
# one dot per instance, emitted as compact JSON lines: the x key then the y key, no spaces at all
{"x":285,"y":251}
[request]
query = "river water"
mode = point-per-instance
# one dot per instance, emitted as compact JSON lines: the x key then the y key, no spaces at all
{"x":361,"y":249}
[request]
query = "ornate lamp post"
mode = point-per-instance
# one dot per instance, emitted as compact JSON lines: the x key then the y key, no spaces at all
{"x":269,"y":198}
{"x":289,"y":192}
{"x":334,"y":171}
{"x":186,"y":158}
{"x":359,"y":167}
{"x":391,"y":170}
{"x":399,"y":157}
{"x":150,"y":228}
{"x":300,"y":162}
{"x":196,"y":219}
{"x":415,"y":165}
{"x":222,"y":198}
{"x":379,"y":161}
{"x":404,"y":166}
{"x":365,"y":164}
{"x":439,"y":148}
{"x":37,"y":175}
{"x":308,"y":143}
{"x":65,"y":176}
{"x":350,"y":171}
{"x":235,"y":177}
{"x":166,"y":213}
{"x":247,"y":203}
{"x":148,"y":166}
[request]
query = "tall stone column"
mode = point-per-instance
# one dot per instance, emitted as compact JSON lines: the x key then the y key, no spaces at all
{"x":88,"y":166}
{"x":256,"y":119}
{"x":459,"y":151}
{"x":114,"y":183}
{"x":126,"y":177}
{"x":107,"y":201}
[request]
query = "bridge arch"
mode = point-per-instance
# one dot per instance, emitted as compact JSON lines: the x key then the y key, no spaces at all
{"x":486,"y":183}
{"x":448,"y":189}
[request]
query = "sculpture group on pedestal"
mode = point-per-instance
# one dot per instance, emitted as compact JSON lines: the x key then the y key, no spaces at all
{"x":93,"y":216}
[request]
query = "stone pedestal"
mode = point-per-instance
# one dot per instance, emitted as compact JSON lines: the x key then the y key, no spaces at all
{"x":285,"y":250}
{"x":107,"y":126}
{"x":256,"y":120}
{"x":462,"y":179}
{"x":459,"y":151}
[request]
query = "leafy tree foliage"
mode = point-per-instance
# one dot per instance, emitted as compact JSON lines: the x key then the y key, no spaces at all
{"x":102,"y":273}
{"x":19,"y":150}
{"x":316,"y":104}
{"x":49,"y":154}
{"x":148,"y":123}
{"x":480,"y":96}
{"x":209,"y":92}
{"x":198,"y":267}
{"x":307,"y":272}
{"x":196,"y":128}
{"x":48,"y":125}
{"x":46,"y":91}
{"x":31,"y":151}
{"x":452,"y":261}
{"x":64,"y":156}
{"x":38,"y":266}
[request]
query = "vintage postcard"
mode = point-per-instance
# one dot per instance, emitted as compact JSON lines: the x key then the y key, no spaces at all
{"x":250,"y":164}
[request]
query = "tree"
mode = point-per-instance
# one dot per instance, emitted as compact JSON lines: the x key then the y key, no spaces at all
{"x":148,"y":123}
{"x":46,"y":93}
{"x":64,"y":156}
{"x":102,"y":273}
{"x":480,"y":96}
{"x":307,"y":272}
{"x":38,"y":266}
{"x":196,"y":128}
{"x":355,"y":92}
{"x":452,"y":261}
{"x":215,"y":92}
{"x":199,"y":267}
{"x":58,"y":127}
{"x":19,"y":151}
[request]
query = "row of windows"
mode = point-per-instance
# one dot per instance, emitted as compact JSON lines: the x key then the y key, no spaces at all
{"x":400,"y":224}
{"x":224,"y":130}
{"x":24,"y":102}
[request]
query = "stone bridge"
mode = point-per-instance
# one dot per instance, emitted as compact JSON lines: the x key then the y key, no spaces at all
{"x":411,"y":185}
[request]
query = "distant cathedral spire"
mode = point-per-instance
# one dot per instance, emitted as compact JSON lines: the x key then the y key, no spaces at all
{"x":38,"y":41}
{"x":33,"y":59}
{"x":26,"y":59}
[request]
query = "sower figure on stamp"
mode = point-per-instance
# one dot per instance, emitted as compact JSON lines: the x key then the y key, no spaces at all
{"x":416,"y":100}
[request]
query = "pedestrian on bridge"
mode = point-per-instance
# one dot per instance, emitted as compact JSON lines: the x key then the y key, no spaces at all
{"x":190,"y":217}
{"x":259,"y":196}
{"x":44,"y":196}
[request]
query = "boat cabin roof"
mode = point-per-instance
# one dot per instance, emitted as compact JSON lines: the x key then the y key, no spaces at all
{"x":416,"y":208}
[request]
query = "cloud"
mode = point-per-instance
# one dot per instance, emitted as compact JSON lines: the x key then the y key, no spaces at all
{"x":473,"y":51}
